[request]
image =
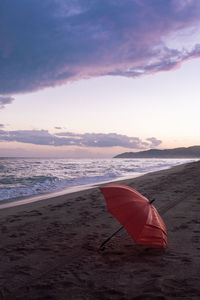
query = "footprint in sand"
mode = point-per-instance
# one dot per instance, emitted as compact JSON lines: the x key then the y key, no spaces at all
{"x":79,"y":199}
{"x":107,"y":293}
{"x":15,"y":219}
{"x":182,"y":226}
{"x":186,"y":260}
{"x":195,"y":239}
{"x":148,"y":296}
{"x":34,"y":213}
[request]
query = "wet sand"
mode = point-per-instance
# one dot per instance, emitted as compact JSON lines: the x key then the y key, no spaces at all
{"x":49,"y":249}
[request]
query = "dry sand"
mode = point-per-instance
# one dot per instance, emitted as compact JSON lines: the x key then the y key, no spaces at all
{"x":49,"y":249}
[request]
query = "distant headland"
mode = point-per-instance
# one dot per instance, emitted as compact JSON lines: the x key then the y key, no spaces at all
{"x":183,"y":152}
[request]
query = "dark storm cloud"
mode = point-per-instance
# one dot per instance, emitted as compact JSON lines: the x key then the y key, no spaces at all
{"x":49,"y":42}
{"x":43,"y":137}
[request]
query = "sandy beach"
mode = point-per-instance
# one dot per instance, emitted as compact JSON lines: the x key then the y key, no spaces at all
{"x":49,"y":249}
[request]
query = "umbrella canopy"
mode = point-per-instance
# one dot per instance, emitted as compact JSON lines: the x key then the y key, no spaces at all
{"x":137,"y":215}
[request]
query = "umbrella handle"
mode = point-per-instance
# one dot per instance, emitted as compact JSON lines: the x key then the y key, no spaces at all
{"x":109,"y":238}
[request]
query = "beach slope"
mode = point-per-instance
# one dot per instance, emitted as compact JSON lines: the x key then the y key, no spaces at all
{"x":49,"y":249}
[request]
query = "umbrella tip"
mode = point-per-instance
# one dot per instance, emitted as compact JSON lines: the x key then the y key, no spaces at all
{"x":150,"y":202}
{"x":101,"y":248}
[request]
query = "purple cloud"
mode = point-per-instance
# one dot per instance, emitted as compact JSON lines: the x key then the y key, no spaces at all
{"x":46,"y":43}
{"x":4,"y":100}
{"x":154,"y":142}
{"x":57,"y":127}
{"x":43,"y":137}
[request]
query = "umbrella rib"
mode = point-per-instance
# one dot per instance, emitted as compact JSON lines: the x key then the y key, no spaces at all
{"x":125,"y":203}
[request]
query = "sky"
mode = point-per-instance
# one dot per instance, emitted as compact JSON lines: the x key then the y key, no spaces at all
{"x":95,"y":78}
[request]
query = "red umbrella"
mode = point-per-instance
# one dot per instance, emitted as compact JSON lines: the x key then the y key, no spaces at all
{"x":137,"y":215}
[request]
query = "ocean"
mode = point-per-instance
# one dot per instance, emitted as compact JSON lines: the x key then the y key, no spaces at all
{"x":25,"y":177}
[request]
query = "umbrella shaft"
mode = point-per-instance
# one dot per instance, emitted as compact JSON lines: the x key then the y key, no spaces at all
{"x":110,"y":237}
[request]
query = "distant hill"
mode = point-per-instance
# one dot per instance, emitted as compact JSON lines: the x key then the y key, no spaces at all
{"x":190,"y":152}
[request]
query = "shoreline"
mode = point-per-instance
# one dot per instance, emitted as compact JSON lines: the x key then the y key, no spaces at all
{"x":19,"y":200}
{"x":13,"y":202}
{"x":25,"y":200}
{"x":49,"y":249}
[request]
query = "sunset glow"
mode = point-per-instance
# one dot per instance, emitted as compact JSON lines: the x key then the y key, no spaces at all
{"x":94,"y":79}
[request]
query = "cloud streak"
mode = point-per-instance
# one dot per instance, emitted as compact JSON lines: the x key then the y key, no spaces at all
{"x":43,"y":137}
{"x":46,"y":43}
{"x":4,"y":100}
